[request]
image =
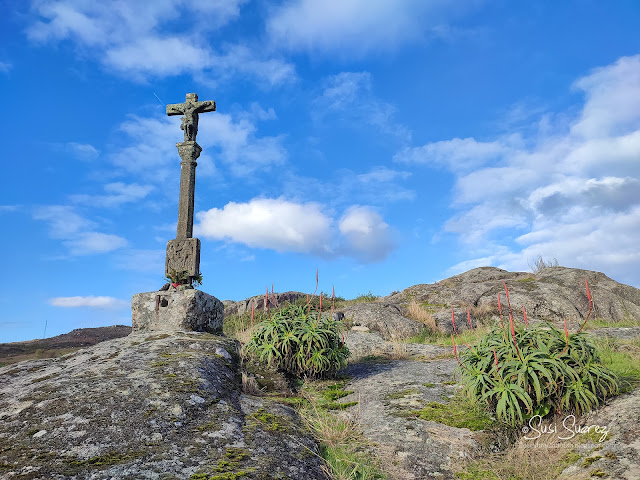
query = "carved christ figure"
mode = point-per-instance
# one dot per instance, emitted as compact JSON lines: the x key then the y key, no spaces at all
{"x":189,"y":111}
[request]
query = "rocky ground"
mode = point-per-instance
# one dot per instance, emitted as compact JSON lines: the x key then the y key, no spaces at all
{"x":171,"y":406}
{"x":415,"y":449}
{"x":146,"y":407}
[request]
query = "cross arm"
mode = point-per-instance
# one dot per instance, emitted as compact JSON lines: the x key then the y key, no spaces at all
{"x":205,"y":106}
{"x":175,"y":109}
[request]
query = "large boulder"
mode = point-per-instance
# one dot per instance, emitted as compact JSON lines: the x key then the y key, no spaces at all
{"x":152,"y":406}
{"x":553,"y":294}
{"x":385,"y":318}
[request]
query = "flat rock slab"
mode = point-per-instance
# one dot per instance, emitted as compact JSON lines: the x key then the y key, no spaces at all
{"x":181,"y":310}
{"x":370,"y":344}
{"x":147,"y":406}
{"x":618,"y":456}
{"x":411,"y":448}
{"x":384,"y":318}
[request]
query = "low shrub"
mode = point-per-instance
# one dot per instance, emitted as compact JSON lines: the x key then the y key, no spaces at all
{"x":301,"y":341}
{"x":519,"y":371}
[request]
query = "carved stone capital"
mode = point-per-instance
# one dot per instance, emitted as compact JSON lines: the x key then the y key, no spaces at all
{"x":189,"y":151}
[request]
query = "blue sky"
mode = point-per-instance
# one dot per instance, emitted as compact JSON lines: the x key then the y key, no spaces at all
{"x":385,"y":143}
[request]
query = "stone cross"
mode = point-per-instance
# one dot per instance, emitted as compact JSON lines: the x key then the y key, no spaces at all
{"x":183,"y":253}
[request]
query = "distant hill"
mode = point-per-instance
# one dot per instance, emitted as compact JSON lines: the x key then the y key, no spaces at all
{"x":60,"y":344}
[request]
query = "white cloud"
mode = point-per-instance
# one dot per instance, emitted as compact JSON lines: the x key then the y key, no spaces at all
{"x":356,"y":27}
{"x":118,"y":193}
{"x":612,"y":108}
{"x":143,"y":40}
{"x":82,"y":151}
{"x":77,"y":232}
{"x":269,"y":223}
{"x":5,"y":66}
{"x":9,"y":208}
{"x":367,"y":236}
{"x":63,"y":220}
{"x":286,"y":226}
{"x":231,"y":141}
{"x":382,"y":174}
{"x":349,"y":96}
{"x":457,"y":154}
{"x":88,"y":301}
{"x":573,"y":194}
{"x":158,"y":56}
{"x":88,"y":243}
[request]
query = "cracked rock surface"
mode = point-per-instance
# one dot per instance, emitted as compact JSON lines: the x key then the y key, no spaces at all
{"x":146,"y":407}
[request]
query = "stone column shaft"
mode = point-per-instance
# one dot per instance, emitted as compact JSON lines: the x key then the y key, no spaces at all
{"x":189,"y":153}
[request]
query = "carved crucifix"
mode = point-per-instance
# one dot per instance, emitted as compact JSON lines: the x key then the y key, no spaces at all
{"x":190,"y":110}
{"x":183,"y":253}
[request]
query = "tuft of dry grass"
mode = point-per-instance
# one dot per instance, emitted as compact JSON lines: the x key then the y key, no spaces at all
{"x":419,"y":314}
{"x":483,"y":313}
{"x":542,"y":458}
{"x":244,"y":335}
{"x":250,"y":385}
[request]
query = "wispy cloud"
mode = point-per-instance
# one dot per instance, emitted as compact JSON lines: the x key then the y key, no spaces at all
{"x":571,"y":193}
{"x":77,"y":232}
{"x":89,"y":302}
{"x":351,"y":28}
{"x":232,"y":140}
{"x":151,"y":39}
{"x":117,"y":194}
{"x":5,"y":67}
{"x":80,"y":151}
{"x":349,"y":97}
{"x":287,"y":226}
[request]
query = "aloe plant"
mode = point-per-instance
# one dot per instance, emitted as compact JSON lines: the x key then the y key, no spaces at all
{"x":301,"y":341}
{"x":519,"y":371}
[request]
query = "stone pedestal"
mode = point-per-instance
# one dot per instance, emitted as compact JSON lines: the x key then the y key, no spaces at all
{"x":183,"y":310}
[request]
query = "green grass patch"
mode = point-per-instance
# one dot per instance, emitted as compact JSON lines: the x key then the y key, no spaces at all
{"x":400,"y":394}
{"x":459,"y":412}
{"x":271,"y":422}
{"x":603,"y":323}
{"x":622,"y":357}
{"x":110,"y":458}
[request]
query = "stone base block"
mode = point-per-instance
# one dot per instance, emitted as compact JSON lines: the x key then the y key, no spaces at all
{"x":183,"y":310}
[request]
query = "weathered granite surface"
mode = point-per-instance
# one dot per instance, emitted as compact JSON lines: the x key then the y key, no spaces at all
{"x":410,"y":448}
{"x":384,"y":318}
{"x":181,"y":310}
{"x":553,"y":294}
{"x":147,"y":406}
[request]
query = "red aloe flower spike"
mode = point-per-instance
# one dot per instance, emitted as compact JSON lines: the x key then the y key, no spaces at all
{"x":266,"y":300}
{"x":455,"y":353}
{"x":513,"y":336}
{"x":590,"y":304}
{"x":469,"y":319}
{"x":495,"y":356}
{"x":566,"y":335}
{"x":504,"y":330}
{"x":453,"y":321}
{"x":321,"y":302}
{"x":252,"y":309}
{"x":524,"y":311}
{"x":507,"y":291}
